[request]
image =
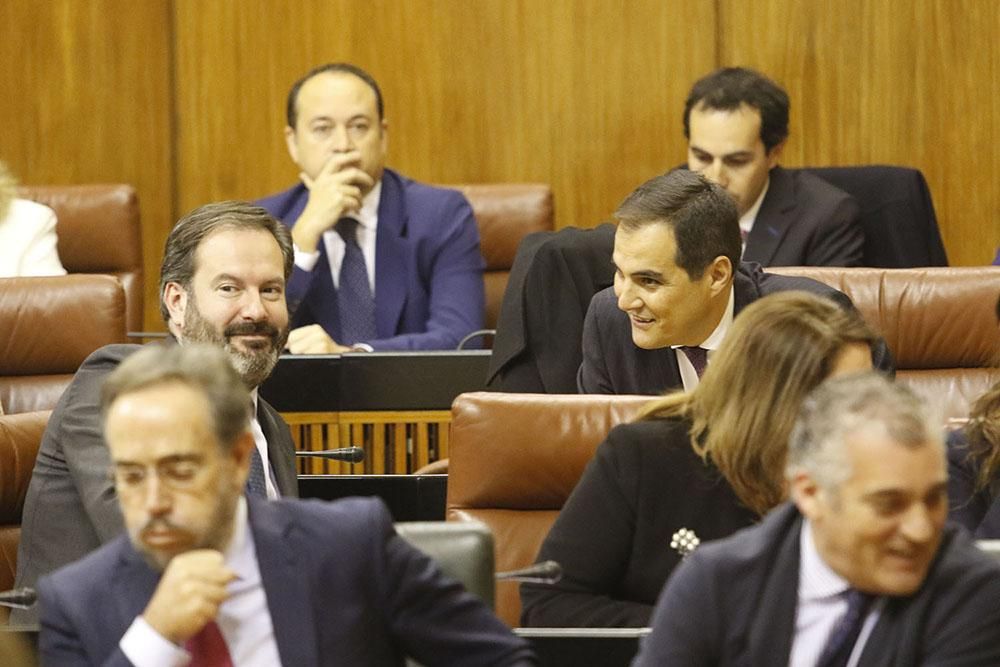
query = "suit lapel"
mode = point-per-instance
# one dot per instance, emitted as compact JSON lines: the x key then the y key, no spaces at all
{"x":133,"y":587}
{"x":280,"y":449}
{"x":286,"y":585}
{"x":769,"y":641}
{"x":391,"y":257}
{"x":773,"y":219}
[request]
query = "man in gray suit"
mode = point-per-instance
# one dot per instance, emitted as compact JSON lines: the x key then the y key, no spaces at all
{"x":222,"y":281}
{"x":736,"y":123}
{"x":859,"y":569}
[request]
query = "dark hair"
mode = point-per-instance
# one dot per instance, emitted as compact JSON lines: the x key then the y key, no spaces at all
{"x":201,"y":366}
{"x":702,"y":214}
{"x":184,"y":239}
{"x":729,"y":87}
{"x":292,"y":103}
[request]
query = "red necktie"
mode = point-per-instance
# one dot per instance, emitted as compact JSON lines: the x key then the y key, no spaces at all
{"x":208,"y":648}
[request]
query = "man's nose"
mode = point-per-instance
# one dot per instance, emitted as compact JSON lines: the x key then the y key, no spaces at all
{"x":253,"y":306}
{"x":918,"y":524}
{"x":715,"y":172}
{"x":625,"y":291}
{"x":342,"y":140}
{"x":157,"y":496}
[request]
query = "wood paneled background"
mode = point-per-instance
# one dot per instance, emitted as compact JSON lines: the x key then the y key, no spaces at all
{"x":185,"y":98}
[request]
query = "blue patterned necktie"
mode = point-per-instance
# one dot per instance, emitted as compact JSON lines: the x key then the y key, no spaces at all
{"x":256,"y":485}
{"x":355,"y":302}
{"x":845,"y":633}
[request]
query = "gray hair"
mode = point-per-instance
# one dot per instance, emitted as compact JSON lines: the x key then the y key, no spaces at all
{"x":202,"y":367}
{"x":850,"y":405}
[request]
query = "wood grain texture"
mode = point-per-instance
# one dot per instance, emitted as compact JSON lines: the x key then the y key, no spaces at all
{"x":86,"y":97}
{"x":582,"y":94}
{"x":908,"y":82}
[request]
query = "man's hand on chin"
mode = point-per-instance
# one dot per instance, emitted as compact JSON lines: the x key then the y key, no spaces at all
{"x":312,"y":339}
{"x":189,"y":594}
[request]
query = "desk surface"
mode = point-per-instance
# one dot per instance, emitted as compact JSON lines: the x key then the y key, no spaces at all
{"x":594,"y":647}
{"x":374,"y":380}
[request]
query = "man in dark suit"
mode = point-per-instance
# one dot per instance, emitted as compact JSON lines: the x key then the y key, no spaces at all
{"x":222,"y":281}
{"x":382,"y":262}
{"x":678,"y":285}
{"x":736,"y":123}
{"x":209,"y":575}
{"x":858,"y":570}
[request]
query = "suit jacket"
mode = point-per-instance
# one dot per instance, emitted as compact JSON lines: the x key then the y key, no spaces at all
{"x":733,"y":602}
{"x":342,"y":589}
{"x":805,"y":221}
{"x":428,"y":269}
{"x":28,"y":241}
{"x":613,"y":364}
{"x":977,"y":510}
{"x":71,"y":508}
{"x":613,"y":535}
{"x":553,"y":278}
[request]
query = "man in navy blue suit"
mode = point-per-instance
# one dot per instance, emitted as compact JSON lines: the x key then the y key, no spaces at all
{"x":209,"y":575}
{"x":382,"y":262}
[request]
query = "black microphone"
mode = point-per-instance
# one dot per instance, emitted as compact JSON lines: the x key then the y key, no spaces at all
{"x":546,"y":572}
{"x":348,"y":454}
{"x":19,"y":598}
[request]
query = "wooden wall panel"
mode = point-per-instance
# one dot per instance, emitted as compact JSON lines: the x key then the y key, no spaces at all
{"x":582,"y":94}
{"x":86,"y":93}
{"x":889,"y":81}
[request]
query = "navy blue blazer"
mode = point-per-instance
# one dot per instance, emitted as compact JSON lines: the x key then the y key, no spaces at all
{"x":341,"y":586}
{"x":428,"y":268}
{"x":733,"y":602}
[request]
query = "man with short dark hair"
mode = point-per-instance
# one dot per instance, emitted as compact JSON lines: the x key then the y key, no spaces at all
{"x":678,"y":285}
{"x":736,"y":123}
{"x":222,"y":281}
{"x":859,"y":569}
{"x":208,"y":575}
{"x":381,"y":262}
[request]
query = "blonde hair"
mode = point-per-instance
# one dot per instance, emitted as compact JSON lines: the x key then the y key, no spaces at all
{"x":8,"y":189}
{"x":778,"y":349}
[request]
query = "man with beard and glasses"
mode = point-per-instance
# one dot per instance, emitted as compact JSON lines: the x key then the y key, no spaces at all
{"x":222,"y":281}
{"x":208,"y":576}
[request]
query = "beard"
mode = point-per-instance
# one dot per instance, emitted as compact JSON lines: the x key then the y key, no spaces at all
{"x":253,"y":364}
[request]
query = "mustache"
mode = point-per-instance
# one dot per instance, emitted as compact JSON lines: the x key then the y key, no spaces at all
{"x":159,"y":524}
{"x":252,"y":329}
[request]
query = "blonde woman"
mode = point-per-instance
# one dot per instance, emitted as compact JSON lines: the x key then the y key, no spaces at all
{"x":695,"y":466}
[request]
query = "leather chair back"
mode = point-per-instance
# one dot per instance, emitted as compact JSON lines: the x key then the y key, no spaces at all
{"x":463,"y":550}
{"x":48,"y":326}
{"x":506,"y":213}
{"x":515,"y":458}
{"x":99,"y":232}
{"x":20,"y":436}
{"x":940,"y":324}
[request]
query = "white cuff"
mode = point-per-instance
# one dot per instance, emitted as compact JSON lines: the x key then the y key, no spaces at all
{"x":145,"y":647}
{"x":306,"y":260}
{"x":362,"y":347}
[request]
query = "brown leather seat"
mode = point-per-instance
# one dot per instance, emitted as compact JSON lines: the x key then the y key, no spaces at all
{"x":940,"y":324}
{"x":506,"y":213}
{"x":99,"y":232}
{"x":48,"y":326}
{"x":515,"y":458}
{"x":20,"y":436}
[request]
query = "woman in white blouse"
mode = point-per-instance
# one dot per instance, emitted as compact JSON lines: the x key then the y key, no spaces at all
{"x":27,"y":234}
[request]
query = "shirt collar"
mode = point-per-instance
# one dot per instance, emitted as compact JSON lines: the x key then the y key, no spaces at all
{"x":748,"y":218}
{"x":721,"y":329}
{"x":367,"y":217}
{"x":816,"y":580}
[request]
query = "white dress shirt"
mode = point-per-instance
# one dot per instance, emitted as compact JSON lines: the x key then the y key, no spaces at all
{"x":244,"y":618}
{"x":750,"y":217}
{"x":28,"y":241}
{"x":689,"y":376}
{"x":820,"y":605}
{"x":367,"y":219}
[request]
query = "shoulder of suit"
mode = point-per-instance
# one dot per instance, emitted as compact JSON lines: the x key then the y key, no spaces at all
{"x":811,"y":188}
{"x":110,"y":355}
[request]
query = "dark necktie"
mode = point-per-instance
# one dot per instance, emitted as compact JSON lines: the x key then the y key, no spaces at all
{"x":208,"y":648}
{"x":355,"y":302}
{"x":256,"y":484}
{"x":844,"y":635}
{"x":698,"y":356}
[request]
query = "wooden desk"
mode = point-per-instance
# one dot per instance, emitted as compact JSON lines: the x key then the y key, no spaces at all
{"x":395,"y":405}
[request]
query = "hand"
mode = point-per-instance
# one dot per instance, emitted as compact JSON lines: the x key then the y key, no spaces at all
{"x":313,"y":339}
{"x":188,"y":595}
{"x":337,"y":189}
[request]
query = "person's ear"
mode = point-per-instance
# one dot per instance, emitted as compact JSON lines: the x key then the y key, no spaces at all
{"x":774,"y":155}
{"x":293,"y":149}
{"x":720,"y":274}
{"x":806,"y":494}
{"x":242,"y":451}
{"x":175,"y":298}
